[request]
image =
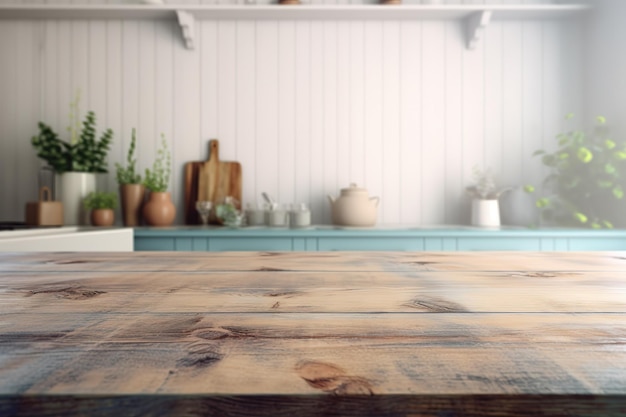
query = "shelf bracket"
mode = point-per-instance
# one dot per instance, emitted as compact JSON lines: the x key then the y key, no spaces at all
{"x":476,"y":23}
{"x":187,"y":25}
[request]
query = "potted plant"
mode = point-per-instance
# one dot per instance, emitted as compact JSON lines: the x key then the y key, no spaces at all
{"x":159,"y":210}
{"x":101,"y":205}
{"x":131,"y":188}
{"x":485,"y":195}
{"x":76,"y":162}
{"x":586,"y":180}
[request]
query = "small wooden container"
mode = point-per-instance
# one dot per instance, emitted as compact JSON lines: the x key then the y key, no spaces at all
{"x":44,"y":212}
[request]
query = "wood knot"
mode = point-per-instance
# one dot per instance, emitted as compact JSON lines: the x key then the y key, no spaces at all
{"x":435,"y":305}
{"x":69,"y":293}
{"x":331,"y":378}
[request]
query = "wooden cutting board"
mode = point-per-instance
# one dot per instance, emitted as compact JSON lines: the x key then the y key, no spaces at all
{"x":218,"y":180}
{"x":210,"y":180}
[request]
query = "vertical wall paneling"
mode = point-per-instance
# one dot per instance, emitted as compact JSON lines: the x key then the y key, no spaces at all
{"x":433,"y":121}
{"x":532,"y":103}
{"x":302,"y":115}
{"x":183,"y":143}
{"x":96,"y":81}
{"x":329,"y":116}
{"x":209,"y":87}
{"x":227,"y":89}
{"x":113,"y":98}
{"x":148,"y":88}
{"x":28,"y":109}
{"x":390,"y":193}
{"x":132,"y":82}
{"x":374,"y":135}
{"x":356,"y":69}
{"x":246,"y":107}
{"x":286,"y":110}
{"x":8,"y":127}
{"x":473,"y":116}
{"x":168,"y":109}
{"x":454,"y":182}
{"x":552,"y":108}
{"x":316,"y":143}
{"x":410,"y":139}
{"x":401,"y":108}
{"x":512,"y":90}
{"x":494,"y":104}
{"x":344,"y":104}
{"x":267,"y":107}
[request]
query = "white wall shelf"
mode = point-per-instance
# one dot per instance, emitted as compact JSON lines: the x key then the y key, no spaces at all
{"x":476,"y":17}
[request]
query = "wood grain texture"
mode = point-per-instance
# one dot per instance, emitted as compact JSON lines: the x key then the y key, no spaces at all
{"x":380,"y":334}
{"x":218,"y":180}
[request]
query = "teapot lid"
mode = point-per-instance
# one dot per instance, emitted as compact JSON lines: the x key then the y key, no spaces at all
{"x":353,"y":189}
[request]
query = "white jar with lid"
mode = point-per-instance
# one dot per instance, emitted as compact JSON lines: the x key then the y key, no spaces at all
{"x":300,"y":215}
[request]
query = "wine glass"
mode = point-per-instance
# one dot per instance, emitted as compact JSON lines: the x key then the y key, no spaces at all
{"x":204,"y":209}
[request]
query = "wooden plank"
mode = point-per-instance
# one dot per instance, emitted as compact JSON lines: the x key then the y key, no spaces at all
{"x":318,"y":261}
{"x":317,"y":292}
{"x":206,"y":354}
{"x":398,"y":337}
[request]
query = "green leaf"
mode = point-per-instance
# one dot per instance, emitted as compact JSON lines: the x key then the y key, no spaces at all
{"x":607,"y":224}
{"x":529,"y":188}
{"x":563,"y":140}
{"x":601,"y":119}
{"x":584,"y":155}
{"x":618,"y":192}
{"x":609,"y":168}
{"x":542,"y":203}
{"x":580,"y":217}
{"x":548,"y":160}
{"x":539,"y":152}
{"x":609,"y":144}
{"x":564,"y":155}
{"x":595,"y":225}
{"x":604,"y":183}
{"x":621,"y":155}
{"x":569,"y":116}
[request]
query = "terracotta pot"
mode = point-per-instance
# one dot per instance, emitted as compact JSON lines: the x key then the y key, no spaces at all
{"x":132,"y":196}
{"x":159,"y":210}
{"x":102,"y":217}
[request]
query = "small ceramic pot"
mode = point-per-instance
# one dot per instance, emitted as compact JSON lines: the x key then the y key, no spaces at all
{"x":102,"y":217}
{"x":159,"y":210}
{"x":485,"y":213}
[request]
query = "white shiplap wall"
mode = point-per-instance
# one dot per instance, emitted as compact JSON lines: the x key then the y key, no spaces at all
{"x":401,"y":108}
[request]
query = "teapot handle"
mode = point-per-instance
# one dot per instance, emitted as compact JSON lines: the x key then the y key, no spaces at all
{"x":377,"y":199}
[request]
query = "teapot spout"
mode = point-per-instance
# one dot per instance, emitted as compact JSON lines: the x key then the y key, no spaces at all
{"x":331,"y":199}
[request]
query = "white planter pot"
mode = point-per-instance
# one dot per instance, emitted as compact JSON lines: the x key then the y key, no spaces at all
{"x":485,"y":213}
{"x":72,"y":188}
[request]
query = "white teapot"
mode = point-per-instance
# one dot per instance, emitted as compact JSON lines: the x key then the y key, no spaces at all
{"x":354,"y":207}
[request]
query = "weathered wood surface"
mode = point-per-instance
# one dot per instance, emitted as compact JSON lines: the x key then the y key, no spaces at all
{"x":383,"y":334}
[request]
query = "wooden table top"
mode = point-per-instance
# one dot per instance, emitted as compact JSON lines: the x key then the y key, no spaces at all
{"x":303,"y":334}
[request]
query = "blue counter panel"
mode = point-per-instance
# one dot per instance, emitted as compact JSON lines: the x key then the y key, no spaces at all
{"x":411,"y":238}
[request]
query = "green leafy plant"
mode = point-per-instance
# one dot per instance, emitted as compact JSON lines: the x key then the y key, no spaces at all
{"x":83,"y":153}
{"x":586,"y":178}
{"x":157,"y":179}
{"x":484,"y":187}
{"x":100,"y":200}
{"x":127,"y":174}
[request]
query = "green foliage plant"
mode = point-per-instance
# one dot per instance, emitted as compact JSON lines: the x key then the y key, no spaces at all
{"x":157,"y":179}
{"x":587,"y":174}
{"x":100,"y":200}
{"x":127,"y":174}
{"x":83,"y":153}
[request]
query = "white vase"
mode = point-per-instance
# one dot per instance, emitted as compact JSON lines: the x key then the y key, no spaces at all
{"x":485,"y":213}
{"x":72,"y":188}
